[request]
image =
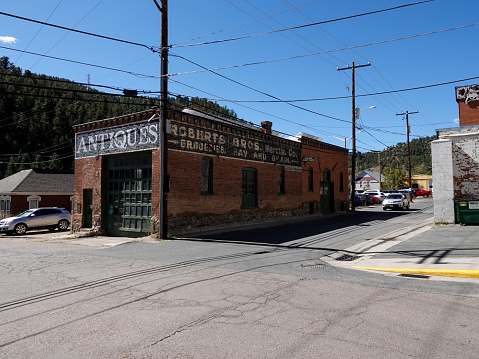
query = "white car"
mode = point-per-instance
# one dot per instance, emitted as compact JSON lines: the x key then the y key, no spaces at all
{"x":396,"y":201}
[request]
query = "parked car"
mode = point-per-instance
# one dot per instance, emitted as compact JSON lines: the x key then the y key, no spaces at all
{"x":38,"y":218}
{"x":366,"y":199}
{"x":357,"y":201}
{"x":422,"y":193}
{"x":396,"y":201}
{"x":377,"y":194}
{"x":387,"y":191}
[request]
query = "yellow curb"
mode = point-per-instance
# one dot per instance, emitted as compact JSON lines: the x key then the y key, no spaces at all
{"x":461,"y":273}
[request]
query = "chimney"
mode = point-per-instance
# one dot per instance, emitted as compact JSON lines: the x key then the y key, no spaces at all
{"x":467,"y":98}
{"x":266,"y":126}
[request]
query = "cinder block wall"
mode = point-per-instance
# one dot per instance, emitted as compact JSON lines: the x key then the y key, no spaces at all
{"x":442,"y":172}
{"x":455,"y":161}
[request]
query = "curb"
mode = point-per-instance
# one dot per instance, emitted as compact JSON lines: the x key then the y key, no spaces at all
{"x":458,"y":273}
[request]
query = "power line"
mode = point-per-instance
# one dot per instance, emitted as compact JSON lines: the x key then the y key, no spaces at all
{"x":347,"y":97}
{"x":263,"y":93}
{"x":262,"y":112}
{"x":63,"y":81}
{"x":151,"y":48}
{"x":287,"y":38}
{"x":79,"y":62}
{"x":245,"y":23}
{"x":58,"y":88}
{"x":305,"y":25}
{"x":51,"y":48}
{"x":325,"y":52}
{"x":87,"y":100}
{"x":40,"y":29}
{"x":31,"y":163}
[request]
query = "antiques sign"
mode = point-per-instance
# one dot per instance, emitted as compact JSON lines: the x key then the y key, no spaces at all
{"x":138,"y":136}
{"x":197,"y":139}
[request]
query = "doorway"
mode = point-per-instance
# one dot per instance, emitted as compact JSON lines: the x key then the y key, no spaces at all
{"x":87,"y":208}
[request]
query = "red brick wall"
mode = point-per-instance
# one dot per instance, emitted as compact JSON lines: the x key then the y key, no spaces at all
{"x":88,"y":172}
{"x":187,"y":207}
{"x":326,"y":156}
{"x":185,"y":197}
{"x":468,"y":113}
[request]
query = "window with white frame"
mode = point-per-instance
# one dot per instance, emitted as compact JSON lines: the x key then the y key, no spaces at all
{"x":33,"y":201}
{"x":5,"y":206}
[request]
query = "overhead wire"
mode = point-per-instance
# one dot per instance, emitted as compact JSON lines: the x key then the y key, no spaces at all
{"x":281,"y":34}
{"x":320,"y":114}
{"x":261,"y":92}
{"x":79,"y":62}
{"x":151,"y":48}
{"x":40,"y":29}
{"x":323,"y":52}
{"x":304,"y":25}
{"x":61,"y":39}
{"x":346,"y":97}
{"x":248,"y":22}
{"x":256,"y":110}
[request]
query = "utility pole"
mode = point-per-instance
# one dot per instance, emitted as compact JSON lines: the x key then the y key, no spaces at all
{"x":380,"y":182}
{"x":353,"y":154}
{"x":407,"y":113}
{"x":163,"y":225}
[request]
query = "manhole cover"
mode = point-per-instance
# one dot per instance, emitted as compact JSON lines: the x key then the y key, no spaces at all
{"x":411,"y":275}
{"x":347,"y":258}
{"x":314,"y":266}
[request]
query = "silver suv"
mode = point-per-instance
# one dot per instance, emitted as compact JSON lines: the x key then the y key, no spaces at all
{"x":38,"y":218}
{"x":396,"y":201}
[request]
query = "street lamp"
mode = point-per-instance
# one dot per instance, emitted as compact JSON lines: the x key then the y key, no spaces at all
{"x":344,"y":138}
{"x":358,"y":111}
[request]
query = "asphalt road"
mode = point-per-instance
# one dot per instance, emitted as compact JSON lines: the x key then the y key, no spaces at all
{"x":242,"y":294}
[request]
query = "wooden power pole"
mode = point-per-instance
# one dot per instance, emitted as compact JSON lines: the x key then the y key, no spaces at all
{"x":353,"y":154}
{"x":407,"y":113}
{"x":163,"y":213}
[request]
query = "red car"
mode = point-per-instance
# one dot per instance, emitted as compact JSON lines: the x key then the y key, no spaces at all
{"x":422,"y":193}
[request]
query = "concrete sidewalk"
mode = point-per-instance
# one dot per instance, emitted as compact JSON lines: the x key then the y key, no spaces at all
{"x":422,"y":250}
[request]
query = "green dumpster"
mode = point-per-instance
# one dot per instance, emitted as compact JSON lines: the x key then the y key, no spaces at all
{"x":467,"y":211}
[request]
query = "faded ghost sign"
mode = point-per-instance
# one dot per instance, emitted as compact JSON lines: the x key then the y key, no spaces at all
{"x":213,"y":142}
{"x":137,"y":136}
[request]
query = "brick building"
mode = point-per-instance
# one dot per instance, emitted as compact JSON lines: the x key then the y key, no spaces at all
{"x":455,"y":158}
{"x":35,"y":188}
{"x":220,"y":172}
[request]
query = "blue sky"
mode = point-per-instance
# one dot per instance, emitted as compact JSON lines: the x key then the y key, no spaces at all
{"x":395,"y":65}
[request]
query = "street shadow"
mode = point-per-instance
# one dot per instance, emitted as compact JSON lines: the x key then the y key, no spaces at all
{"x":281,"y":232}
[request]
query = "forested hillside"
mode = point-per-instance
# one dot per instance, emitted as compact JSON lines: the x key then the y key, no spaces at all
{"x":396,"y":157}
{"x":37,"y":113}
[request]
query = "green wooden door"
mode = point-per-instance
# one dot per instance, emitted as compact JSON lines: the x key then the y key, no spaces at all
{"x":87,"y":208}
{"x":128,"y":197}
{"x":249,"y":188}
{"x":326,"y":197}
